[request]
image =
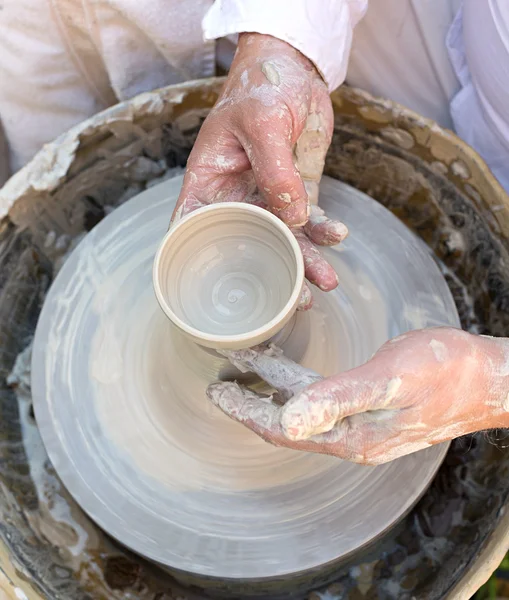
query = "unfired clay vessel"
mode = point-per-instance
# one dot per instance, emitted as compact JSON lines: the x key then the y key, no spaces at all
{"x":229,"y":276}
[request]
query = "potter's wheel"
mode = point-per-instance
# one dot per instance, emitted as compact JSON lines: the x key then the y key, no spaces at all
{"x":120,"y":401}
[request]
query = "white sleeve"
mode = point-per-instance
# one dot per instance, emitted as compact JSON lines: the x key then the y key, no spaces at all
{"x":4,"y":158}
{"x":321,"y":29}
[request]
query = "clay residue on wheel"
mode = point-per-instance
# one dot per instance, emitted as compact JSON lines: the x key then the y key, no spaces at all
{"x":438,"y":542}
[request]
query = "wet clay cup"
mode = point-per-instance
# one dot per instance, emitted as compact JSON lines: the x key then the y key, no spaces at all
{"x":229,"y":276}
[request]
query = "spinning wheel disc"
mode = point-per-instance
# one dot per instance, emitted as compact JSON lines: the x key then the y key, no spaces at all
{"x":120,"y":401}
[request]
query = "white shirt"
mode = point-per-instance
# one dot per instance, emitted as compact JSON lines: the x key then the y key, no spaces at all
{"x":478,"y":44}
{"x":322,"y":30}
{"x":446,"y":59}
{"x":63,"y":60}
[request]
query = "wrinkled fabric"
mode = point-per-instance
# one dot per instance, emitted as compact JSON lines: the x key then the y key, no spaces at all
{"x":397,"y":47}
{"x":61,"y":61}
{"x":478,"y":44}
{"x":399,"y":53}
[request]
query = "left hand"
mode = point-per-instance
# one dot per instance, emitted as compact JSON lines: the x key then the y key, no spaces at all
{"x":420,"y":389}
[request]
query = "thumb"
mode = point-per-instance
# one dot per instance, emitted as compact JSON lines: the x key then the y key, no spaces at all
{"x":323,"y":405}
{"x":310,"y":151}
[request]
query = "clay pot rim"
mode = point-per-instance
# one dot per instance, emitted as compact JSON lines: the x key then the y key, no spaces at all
{"x":255,"y":336}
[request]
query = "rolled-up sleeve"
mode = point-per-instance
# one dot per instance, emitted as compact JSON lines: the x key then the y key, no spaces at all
{"x":321,"y":29}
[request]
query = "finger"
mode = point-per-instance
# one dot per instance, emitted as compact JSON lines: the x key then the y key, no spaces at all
{"x":217,"y":169}
{"x":276,"y":176}
{"x":306,"y":298}
{"x":271,"y":365}
{"x":317,"y":269}
{"x":258,"y":414}
{"x":350,"y":440}
{"x":372,"y":438}
{"x":256,"y":199}
{"x":185,"y":205}
{"x":212,"y":188}
{"x":324,"y":231}
{"x":307,"y":416}
{"x":325,"y":404}
{"x":245,"y":406}
{"x":331,"y":234}
{"x":262,"y":416}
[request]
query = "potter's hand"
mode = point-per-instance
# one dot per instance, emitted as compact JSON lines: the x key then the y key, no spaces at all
{"x":265,"y":142}
{"x":419,"y":389}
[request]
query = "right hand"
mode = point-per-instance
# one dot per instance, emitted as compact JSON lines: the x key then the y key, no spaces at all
{"x":265,"y":142}
{"x":419,"y":389}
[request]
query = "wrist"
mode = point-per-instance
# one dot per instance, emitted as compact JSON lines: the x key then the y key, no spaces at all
{"x":264,"y":47}
{"x":494,"y":365}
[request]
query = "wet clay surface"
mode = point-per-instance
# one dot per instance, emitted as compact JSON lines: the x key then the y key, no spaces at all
{"x":48,"y":547}
{"x":126,"y":421}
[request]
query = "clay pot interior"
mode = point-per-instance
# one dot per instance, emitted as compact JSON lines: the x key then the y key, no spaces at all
{"x":454,"y":538}
{"x":229,"y":276}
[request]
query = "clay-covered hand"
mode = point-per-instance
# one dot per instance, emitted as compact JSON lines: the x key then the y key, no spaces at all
{"x":265,"y":142}
{"x":419,"y":389}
